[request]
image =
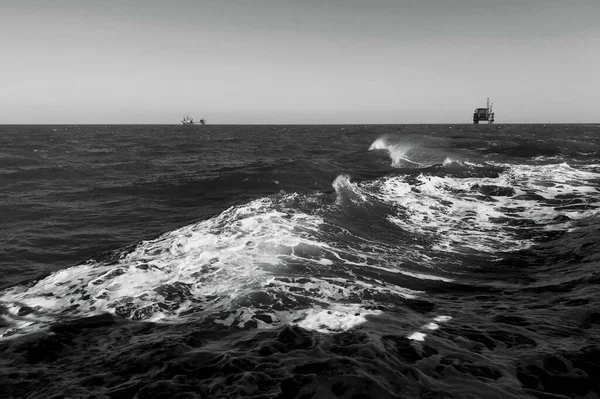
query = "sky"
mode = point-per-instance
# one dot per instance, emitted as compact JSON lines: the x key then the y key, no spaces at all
{"x":303,"y":61}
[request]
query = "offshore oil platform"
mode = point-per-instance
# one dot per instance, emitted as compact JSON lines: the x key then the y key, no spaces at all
{"x":484,"y":114}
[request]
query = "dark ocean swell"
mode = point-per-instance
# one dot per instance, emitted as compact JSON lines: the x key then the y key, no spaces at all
{"x":391,"y":262}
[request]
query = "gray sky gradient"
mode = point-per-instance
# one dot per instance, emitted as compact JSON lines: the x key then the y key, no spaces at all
{"x":304,"y":61}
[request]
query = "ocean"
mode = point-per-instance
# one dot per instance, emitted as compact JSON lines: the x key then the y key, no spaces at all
{"x":300,"y":261}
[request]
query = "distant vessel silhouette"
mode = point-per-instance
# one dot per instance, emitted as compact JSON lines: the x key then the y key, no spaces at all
{"x":188,"y":120}
{"x":484,"y":114}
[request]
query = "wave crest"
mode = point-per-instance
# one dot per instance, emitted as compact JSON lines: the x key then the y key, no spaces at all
{"x":397,"y":151}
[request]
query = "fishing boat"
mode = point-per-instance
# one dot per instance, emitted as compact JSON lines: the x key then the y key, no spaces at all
{"x":188,"y":120}
{"x":484,"y":114}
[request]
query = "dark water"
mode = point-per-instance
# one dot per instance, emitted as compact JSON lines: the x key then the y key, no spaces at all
{"x":371,"y":261}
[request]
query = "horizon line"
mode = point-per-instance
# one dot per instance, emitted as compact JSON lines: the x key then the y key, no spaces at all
{"x":295,"y":124}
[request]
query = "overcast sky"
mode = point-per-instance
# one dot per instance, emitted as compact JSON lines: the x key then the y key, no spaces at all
{"x":303,"y":61}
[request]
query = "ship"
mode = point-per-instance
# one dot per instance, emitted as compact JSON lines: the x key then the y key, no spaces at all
{"x":188,"y":120}
{"x":484,"y":114}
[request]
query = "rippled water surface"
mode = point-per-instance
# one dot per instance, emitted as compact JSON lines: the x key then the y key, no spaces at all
{"x":384,"y":261}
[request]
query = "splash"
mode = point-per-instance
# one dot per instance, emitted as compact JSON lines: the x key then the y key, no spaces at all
{"x":450,"y":161}
{"x":397,"y":151}
{"x":348,"y":192}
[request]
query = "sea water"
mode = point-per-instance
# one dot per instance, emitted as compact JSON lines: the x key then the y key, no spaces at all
{"x":350,"y":261}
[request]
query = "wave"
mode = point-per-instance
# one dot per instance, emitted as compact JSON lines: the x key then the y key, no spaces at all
{"x":491,"y":215}
{"x":322,"y":264}
{"x":348,"y":192}
{"x":262,"y":262}
{"x":398,"y":151}
{"x":460,"y":276}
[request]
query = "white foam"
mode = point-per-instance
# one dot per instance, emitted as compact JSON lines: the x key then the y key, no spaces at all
{"x":431,"y":326}
{"x":397,"y":269}
{"x":204,"y":264}
{"x":449,"y":161}
{"x":453,"y":213}
{"x":336,"y":318}
{"x":422,"y":276}
{"x":417,"y":336}
{"x":326,"y":319}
